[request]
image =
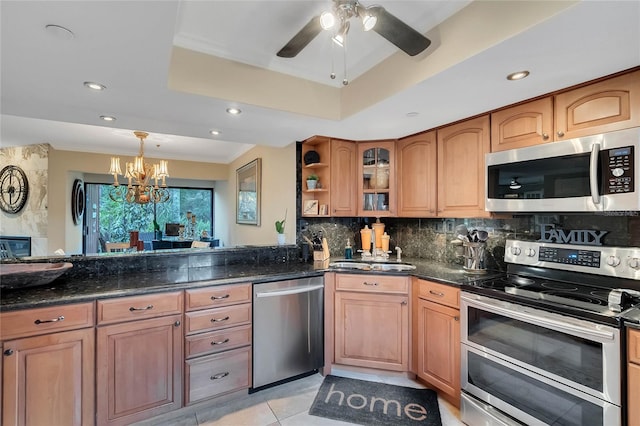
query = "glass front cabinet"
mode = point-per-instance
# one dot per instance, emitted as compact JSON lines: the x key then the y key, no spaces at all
{"x":377,"y":182}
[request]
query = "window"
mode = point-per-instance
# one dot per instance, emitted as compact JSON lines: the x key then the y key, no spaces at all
{"x":111,"y":221}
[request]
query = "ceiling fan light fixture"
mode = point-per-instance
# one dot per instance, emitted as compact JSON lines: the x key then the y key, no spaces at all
{"x":327,"y":20}
{"x":340,"y":37}
{"x":369,"y":19}
{"x":514,"y":184}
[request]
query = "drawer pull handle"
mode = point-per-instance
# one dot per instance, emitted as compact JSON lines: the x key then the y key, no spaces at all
{"x":220,"y":342}
{"x":436,"y":293}
{"x":226,"y":296}
{"x":220,"y":375}
{"x":146,"y":308}
{"x":219,"y":319}
{"x":366,"y":283}
{"x":60,"y":318}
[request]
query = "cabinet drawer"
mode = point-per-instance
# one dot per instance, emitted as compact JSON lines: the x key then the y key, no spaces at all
{"x":634,"y":346}
{"x":212,"y":297}
{"x":372,"y":283}
{"x":439,"y":293}
{"x":217,"y":341}
{"x":30,"y":322}
{"x":212,"y":319}
{"x":214,"y":375}
{"x":139,"y":307}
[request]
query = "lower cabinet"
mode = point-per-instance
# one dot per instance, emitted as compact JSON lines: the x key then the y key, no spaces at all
{"x":372,"y":321}
{"x":48,"y":379}
{"x":139,"y":362}
{"x":48,"y":365}
{"x":218,"y":341}
{"x":438,"y":337}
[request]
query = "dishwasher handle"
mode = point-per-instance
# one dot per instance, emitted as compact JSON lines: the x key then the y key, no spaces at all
{"x":292,"y":290}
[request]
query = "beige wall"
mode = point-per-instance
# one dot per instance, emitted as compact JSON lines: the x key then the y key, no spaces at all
{"x":278,"y":195}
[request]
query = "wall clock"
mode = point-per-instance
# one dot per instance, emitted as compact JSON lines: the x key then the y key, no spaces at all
{"x":14,"y":189}
{"x":77,"y":201}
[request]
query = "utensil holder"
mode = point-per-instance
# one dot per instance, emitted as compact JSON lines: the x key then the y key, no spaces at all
{"x":474,"y":256}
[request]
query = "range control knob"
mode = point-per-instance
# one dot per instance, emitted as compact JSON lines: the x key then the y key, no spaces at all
{"x":515,"y":251}
{"x":634,"y":263}
{"x":530,"y":252}
{"x":613,"y":261}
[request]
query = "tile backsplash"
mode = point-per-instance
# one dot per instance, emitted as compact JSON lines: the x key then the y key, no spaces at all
{"x":431,"y":238}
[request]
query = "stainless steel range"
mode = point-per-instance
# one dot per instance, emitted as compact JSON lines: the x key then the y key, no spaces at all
{"x":541,"y":344}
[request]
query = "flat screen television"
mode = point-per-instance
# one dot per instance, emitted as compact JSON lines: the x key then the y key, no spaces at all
{"x":172,"y":229}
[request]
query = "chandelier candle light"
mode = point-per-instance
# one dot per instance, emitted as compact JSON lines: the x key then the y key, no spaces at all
{"x":140,"y":176}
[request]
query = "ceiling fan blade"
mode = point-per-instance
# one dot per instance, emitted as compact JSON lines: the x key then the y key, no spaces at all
{"x":399,"y":33}
{"x":300,"y":40}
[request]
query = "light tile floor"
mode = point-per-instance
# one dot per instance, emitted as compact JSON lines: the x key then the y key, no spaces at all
{"x":286,"y":405}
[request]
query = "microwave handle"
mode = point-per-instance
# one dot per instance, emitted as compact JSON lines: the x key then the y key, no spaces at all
{"x":593,"y":173}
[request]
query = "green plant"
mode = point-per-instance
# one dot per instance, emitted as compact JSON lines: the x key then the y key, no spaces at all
{"x":313,"y":177}
{"x":280,"y":224}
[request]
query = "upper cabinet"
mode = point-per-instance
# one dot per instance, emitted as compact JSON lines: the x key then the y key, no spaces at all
{"x":461,"y":169}
{"x":417,"y":190}
{"x":343,"y":178}
{"x":316,"y":154}
{"x":608,"y":105}
{"x":377,"y":181}
{"x":522,"y":125}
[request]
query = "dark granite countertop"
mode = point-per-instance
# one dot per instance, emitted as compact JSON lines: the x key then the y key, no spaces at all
{"x":99,"y":286}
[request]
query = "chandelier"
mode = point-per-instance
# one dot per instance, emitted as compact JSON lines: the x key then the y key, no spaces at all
{"x":143,"y":179}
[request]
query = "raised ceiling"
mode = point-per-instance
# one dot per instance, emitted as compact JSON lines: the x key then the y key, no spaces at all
{"x":172,"y":68}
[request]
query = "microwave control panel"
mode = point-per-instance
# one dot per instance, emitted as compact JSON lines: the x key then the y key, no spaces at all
{"x":618,"y":168}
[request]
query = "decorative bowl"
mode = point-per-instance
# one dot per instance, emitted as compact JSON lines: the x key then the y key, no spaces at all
{"x":21,"y":275}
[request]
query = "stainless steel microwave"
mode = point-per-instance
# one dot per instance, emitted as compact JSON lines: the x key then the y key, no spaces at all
{"x":591,"y":174}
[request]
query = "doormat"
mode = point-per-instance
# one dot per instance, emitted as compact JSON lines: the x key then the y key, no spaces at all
{"x":372,"y":403}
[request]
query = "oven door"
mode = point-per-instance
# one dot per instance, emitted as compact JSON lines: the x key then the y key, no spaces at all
{"x":537,"y":366}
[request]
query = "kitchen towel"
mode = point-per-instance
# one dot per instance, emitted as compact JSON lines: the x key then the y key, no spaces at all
{"x":372,"y":403}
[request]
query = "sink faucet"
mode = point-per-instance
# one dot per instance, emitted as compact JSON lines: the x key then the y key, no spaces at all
{"x":399,"y":252}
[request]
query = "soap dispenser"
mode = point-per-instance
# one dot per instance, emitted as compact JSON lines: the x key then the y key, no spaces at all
{"x":348,"y":252}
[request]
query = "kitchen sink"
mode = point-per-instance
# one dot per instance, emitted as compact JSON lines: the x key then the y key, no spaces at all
{"x":372,"y":266}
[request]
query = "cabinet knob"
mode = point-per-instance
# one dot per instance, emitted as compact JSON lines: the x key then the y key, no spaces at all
{"x":545,"y":136}
{"x":456,"y":318}
{"x":560,"y":133}
{"x":176,"y":324}
{"x":8,"y":352}
{"x":404,"y":302}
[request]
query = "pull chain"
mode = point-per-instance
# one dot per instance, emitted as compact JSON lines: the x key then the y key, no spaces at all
{"x":345,"y":81}
{"x":333,"y":74}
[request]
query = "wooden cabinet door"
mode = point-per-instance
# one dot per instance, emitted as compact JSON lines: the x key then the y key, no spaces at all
{"x":377,"y":178}
{"x":343,"y":178}
{"x":633,"y":396}
{"x":416,"y":159}
{"x":461,"y":168}
{"x":372,"y":330}
{"x":612,"y":104}
{"x":49,"y":379}
{"x":439,"y":346}
{"x":139,"y":369}
{"x":522,"y":125}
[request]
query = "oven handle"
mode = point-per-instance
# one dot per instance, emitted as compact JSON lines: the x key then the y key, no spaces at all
{"x":547,"y":322}
{"x":593,"y":173}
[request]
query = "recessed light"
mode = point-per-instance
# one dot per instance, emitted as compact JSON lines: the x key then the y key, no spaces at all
{"x":107,"y":118}
{"x":94,"y":86}
{"x":519,"y":75}
{"x":59,"y":31}
{"x":215,"y":132}
{"x":234,"y":111}
{"x":413,"y":114}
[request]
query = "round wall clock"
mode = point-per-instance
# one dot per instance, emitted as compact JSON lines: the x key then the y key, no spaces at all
{"x":77,"y":201}
{"x":14,"y":189}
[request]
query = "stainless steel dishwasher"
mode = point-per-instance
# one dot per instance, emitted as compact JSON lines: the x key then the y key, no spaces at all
{"x":288,"y":332}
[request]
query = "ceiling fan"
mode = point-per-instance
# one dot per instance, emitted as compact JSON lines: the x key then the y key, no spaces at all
{"x":374,"y":18}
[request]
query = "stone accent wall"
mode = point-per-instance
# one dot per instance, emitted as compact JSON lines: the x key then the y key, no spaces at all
{"x":32,"y":220}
